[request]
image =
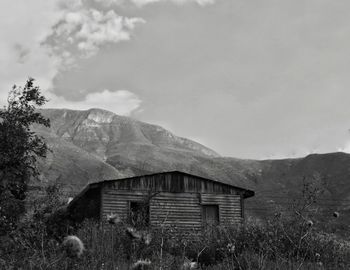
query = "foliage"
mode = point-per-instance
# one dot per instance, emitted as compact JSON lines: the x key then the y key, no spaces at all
{"x":256,"y":246}
{"x":286,"y":241}
{"x":19,"y":148}
{"x":36,"y":235}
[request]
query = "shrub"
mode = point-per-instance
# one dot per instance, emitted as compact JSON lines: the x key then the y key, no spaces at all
{"x":255,"y":246}
{"x":292,"y":241}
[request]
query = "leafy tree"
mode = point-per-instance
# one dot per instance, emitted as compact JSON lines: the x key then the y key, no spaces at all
{"x":19,"y":149}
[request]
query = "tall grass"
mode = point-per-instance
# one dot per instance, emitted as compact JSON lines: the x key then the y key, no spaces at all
{"x":272,"y":245}
{"x":282,"y":242}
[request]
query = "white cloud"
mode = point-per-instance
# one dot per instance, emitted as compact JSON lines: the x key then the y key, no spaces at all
{"x":121,"y":102}
{"x":23,"y":27}
{"x":199,"y":2}
{"x":141,"y":3}
{"x":43,"y":37}
{"x":345,"y":148}
{"x":70,"y":4}
{"x":40,"y":38}
{"x":84,"y":31}
{"x":110,"y":2}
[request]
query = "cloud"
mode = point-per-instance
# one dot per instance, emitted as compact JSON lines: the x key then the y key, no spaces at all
{"x":141,"y":3}
{"x":70,"y":4}
{"x":42,"y":38}
{"x":84,"y":31}
{"x":110,"y":2}
{"x":121,"y":102}
{"x":345,"y":148}
{"x":23,"y":27}
{"x":199,"y":2}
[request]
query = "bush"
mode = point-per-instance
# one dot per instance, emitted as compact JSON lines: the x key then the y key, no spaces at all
{"x":254,"y":246}
{"x":292,"y":241}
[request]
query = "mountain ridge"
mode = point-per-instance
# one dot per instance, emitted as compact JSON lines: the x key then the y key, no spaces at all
{"x":139,"y":131}
{"x":94,"y":145}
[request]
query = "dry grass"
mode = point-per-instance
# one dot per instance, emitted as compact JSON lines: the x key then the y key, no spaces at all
{"x":283,"y":242}
{"x":255,"y":246}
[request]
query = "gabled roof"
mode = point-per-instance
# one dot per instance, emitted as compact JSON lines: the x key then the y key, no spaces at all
{"x":247,"y":193}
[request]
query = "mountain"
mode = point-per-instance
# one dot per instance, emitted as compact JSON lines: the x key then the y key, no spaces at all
{"x":94,"y":145}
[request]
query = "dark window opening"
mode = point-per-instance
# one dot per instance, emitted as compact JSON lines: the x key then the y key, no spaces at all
{"x":242,"y":207}
{"x":139,"y":214}
{"x":210,"y":215}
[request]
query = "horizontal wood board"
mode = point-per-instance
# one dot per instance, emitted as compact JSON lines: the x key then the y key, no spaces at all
{"x":182,"y":210}
{"x":172,"y":182}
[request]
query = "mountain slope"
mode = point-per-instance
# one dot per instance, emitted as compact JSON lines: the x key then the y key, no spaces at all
{"x":71,"y":166}
{"x":95,"y":145}
{"x":102,"y":132}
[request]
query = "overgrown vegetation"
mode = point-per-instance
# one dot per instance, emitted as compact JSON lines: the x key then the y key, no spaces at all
{"x":291,"y":241}
{"x":19,"y":148}
{"x":44,"y":236}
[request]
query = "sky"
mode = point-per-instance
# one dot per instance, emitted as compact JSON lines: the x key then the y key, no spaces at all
{"x":247,"y":78}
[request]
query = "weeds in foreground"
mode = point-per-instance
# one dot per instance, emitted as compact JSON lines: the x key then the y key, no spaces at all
{"x":274,"y":245}
{"x":283,"y":242}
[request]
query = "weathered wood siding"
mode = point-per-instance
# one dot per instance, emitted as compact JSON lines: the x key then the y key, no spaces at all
{"x":117,"y":201}
{"x":230,"y":210}
{"x":181,"y":210}
{"x":178,"y":199}
{"x":172,"y":182}
{"x":185,"y":201}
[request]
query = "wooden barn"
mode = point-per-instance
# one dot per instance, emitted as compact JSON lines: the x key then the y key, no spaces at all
{"x":169,"y":198}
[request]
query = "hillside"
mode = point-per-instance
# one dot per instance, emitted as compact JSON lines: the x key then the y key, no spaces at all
{"x":93,"y":145}
{"x":279,"y":183}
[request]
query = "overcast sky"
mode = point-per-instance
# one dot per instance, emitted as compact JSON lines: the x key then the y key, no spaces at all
{"x":247,"y":78}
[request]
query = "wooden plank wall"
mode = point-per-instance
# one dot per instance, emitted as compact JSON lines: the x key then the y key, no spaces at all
{"x":230,"y":211}
{"x":116,"y":201}
{"x":172,"y":182}
{"x":181,"y":210}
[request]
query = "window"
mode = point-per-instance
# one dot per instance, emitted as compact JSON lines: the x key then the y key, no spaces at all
{"x":210,"y":214}
{"x":139,"y":214}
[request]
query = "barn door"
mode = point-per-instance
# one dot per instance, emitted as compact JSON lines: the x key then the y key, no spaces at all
{"x":210,"y":215}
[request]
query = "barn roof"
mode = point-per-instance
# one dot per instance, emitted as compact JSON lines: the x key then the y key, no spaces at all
{"x":246,"y":192}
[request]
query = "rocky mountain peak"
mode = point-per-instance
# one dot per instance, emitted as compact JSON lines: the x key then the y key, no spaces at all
{"x":100,"y":116}
{"x":104,"y":134}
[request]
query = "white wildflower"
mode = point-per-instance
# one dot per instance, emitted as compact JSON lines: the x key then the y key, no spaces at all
{"x":141,"y":265}
{"x":133,"y":233}
{"x":309,"y":223}
{"x":189,"y":265}
{"x":147,"y":238}
{"x":231,"y":248}
{"x":113,"y":219}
